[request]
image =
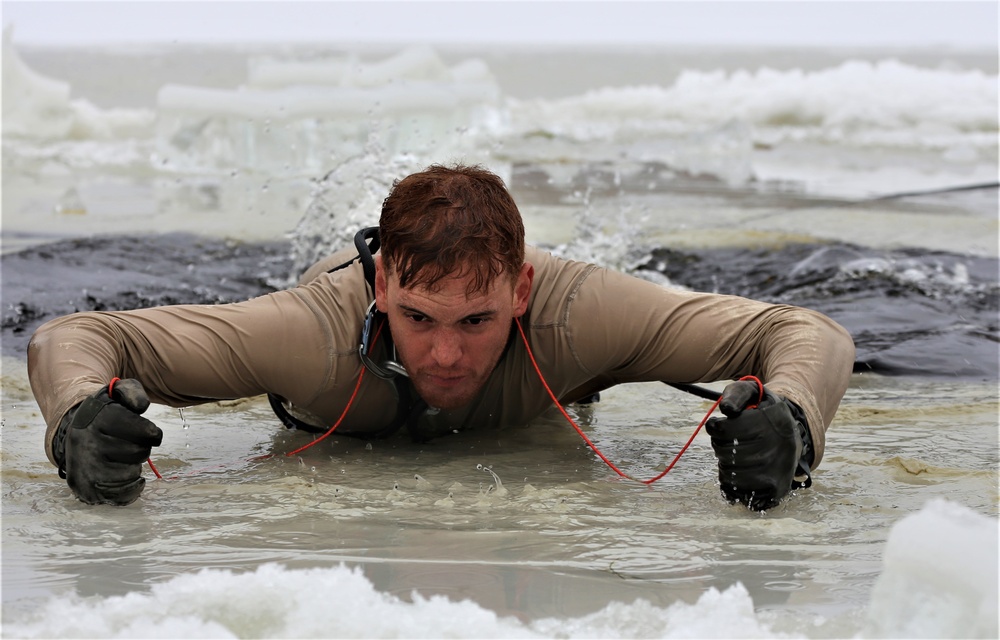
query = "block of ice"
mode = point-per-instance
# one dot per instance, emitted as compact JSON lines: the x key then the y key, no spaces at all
{"x":37,"y":107}
{"x":939,"y":577}
{"x":33,"y":104}
{"x":305,"y":117}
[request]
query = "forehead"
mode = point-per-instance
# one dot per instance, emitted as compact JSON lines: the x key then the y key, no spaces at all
{"x":453,"y":290}
{"x":435,"y":276}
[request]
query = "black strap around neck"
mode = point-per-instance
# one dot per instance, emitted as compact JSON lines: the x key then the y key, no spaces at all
{"x":367,"y":243}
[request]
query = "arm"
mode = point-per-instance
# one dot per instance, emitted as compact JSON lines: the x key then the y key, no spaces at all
{"x":631,"y":330}
{"x":186,"y":355}
{"x":627,"y":330}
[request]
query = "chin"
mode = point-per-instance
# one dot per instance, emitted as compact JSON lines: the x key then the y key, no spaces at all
{"x":448,"y":400}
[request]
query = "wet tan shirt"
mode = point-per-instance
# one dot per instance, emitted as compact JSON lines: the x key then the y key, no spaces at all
{"x":589,"y":328}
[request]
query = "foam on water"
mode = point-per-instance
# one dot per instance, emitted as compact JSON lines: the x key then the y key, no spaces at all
{"x":939,"y":579}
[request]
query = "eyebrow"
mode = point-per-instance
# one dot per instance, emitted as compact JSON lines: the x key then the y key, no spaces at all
{"x":481,"y":314}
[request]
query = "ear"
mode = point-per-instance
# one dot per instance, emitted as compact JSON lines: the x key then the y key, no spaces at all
{"x":381,"y":284}
{"x":522,"y":289}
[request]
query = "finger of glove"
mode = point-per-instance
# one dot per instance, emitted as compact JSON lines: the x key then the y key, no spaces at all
{"x":118,"y":451}
{"x":107,"y":484}
{"x":762,"y":502}
{"x":119,"y":494}
{"x":761,"y":479}
{"x":130,"y":393}
{"x":726,"y":430}
{"x":743,"y":432}
{"x":772,"y":421}
{"x":737,"y":396}
{"x":717,"y":427}
{"x":757,"y":491}
{"x":745,"y":460}
{"x":746,"y":433}
{"x":116,"y":421}
{"x":757,"y":498}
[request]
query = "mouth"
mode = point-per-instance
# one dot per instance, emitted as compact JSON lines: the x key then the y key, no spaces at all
{"x":445,"y":381}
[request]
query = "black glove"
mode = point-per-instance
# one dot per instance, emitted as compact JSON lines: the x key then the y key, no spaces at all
{"x":101,"y":444}
{"x":761,"y":444}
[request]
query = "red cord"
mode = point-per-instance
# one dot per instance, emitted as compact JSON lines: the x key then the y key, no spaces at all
{"x":760,"y":391}
{"x":552,"y":395}
{"x":600,"y":455}
{"x":343,"y":414}
{"x":339,"y":420}
{"x":347,"y":408}
{"x":111,"y":387}
{"x":153,"y":467}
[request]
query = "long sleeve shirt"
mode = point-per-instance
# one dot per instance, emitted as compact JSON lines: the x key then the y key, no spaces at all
{"x":589,"y":328}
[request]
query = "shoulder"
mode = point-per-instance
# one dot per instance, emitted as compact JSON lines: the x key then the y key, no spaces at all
{"x":564,"y":287}
{"x":332,"y":262}
{"x":556,"y":284}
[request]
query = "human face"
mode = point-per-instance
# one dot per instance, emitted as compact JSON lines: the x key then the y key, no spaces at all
{"x":449,"y":341}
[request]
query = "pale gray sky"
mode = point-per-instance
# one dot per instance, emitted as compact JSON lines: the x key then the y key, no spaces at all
{"x":953,"y":24}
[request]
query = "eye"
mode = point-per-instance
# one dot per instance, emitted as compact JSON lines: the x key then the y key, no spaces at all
{"x":416,"y":317}
{"x":475,"y":322}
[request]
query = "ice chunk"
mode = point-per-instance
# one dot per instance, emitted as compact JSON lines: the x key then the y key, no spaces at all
{"x":267,"y":73}
{"x":939,"y":576}
{"x":37,"y":107}
{"x":414,"y":63}
{"x":33,"y":105}
{"x":306,"y":117}
{"x":275,"y":601}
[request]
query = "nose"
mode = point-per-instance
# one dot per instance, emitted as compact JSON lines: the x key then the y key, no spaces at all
{"x":447,"y":348}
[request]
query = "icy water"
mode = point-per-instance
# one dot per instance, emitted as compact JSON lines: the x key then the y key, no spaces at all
{"x":763,"y":182}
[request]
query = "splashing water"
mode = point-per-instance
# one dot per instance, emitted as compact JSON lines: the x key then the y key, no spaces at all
{"x":498,"y":487}
{"x":346,"y":200}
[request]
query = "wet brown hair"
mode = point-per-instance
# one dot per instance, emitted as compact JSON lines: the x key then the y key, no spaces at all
{"x":451,"y":221}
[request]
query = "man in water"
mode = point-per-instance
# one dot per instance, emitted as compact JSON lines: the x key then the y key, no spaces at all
{"x":448,"y":316}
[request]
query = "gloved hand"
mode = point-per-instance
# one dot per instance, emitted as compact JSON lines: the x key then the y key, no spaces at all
{"x":101,"y":444}
{"x":759,"y":445}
